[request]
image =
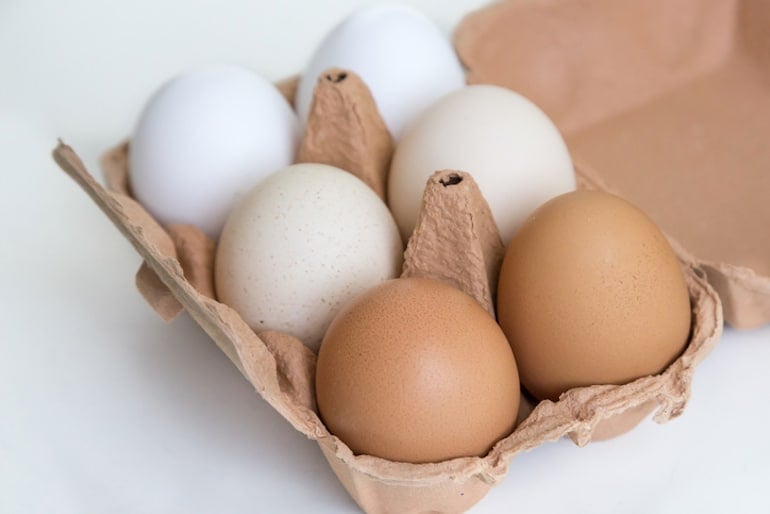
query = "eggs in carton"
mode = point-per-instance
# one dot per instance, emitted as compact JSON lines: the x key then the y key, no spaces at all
{"x":178,"y":274}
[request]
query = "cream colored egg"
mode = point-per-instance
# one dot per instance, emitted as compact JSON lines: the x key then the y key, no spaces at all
{"x":514,"y":152}
{"x":302,"y":243}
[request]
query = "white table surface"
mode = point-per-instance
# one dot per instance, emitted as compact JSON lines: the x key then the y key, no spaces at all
{"x":104,"y":408}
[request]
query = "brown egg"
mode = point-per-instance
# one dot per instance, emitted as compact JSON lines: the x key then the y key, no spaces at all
{"x":590,"y":292}
{"x":417,"y":371}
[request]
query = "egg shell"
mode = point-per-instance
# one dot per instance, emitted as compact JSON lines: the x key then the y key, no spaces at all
{"x":415,"y":370}
{"x":590,"y":292}
{"x":399,"y":53}
{"x":205,"y":138}
{"x":300,"y":244}
{"x":513,"y":150}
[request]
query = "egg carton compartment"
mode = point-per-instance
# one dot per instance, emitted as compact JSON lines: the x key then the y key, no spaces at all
{"x":665,"y":103}
{"x":281,"y":369}
{"x":177,"y":274}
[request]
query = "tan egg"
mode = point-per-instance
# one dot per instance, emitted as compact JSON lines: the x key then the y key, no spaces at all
{"x":416,"y":371}
{"x":590,"y":292}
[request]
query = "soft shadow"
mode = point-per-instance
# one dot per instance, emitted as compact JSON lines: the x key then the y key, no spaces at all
{"x":214,"y":403}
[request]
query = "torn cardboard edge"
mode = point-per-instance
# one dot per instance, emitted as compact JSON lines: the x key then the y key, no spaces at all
{"x":282,"y":374}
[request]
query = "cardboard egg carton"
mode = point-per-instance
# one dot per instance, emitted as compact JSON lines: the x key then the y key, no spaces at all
{"x":455,"y":241}
{"x":664,"y":102}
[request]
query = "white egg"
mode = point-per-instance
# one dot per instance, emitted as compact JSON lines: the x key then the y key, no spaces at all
{"x":403,"y":58}
{"x":206,"y":137}
{"x":302,"y":243}
{"x":511,"y":148}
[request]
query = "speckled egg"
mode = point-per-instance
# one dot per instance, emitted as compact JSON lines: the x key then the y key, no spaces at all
{"x":591,"y":292}
{"x":299,"y":245}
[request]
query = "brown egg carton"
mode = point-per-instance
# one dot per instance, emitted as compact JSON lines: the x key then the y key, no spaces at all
{"x":455,"y":241}
{"x":666,"y":102}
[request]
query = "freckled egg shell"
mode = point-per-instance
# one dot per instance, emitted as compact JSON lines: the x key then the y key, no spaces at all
{"x":299,"y":245}
{"x":417,"y":371}
{"x":404,"y":59}
{"x":206,"y":137}
{"x":590,"y":292}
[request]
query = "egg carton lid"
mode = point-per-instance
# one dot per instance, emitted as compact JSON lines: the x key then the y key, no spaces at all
{"x":664,"y":103}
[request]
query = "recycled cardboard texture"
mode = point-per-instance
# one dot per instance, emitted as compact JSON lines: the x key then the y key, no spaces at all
{"x":344,"y":129}
{"x":463,"y":249}
{"x":281,"y":369}
{"x":668,"y":101}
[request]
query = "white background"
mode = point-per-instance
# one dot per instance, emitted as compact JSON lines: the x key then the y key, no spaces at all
{"x":104,"y":408}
